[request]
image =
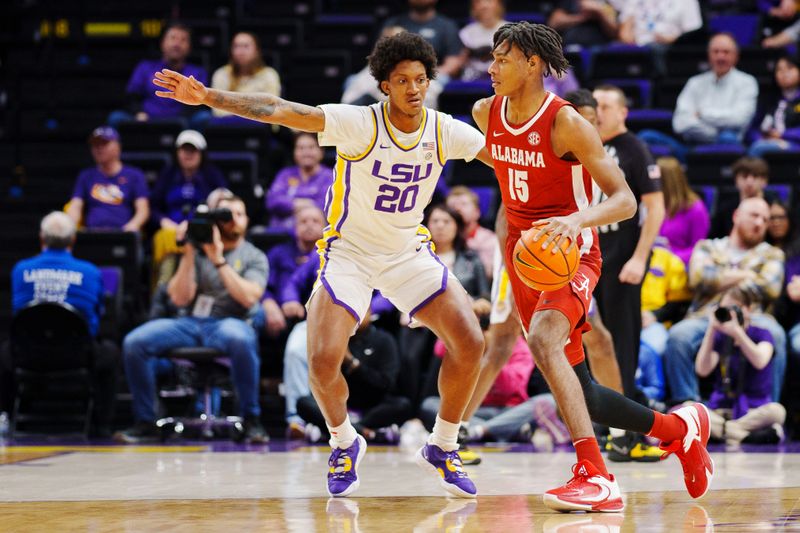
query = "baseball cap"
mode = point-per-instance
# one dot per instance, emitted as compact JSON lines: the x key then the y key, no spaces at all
{"x":105,"y":133}
{"x":193,"y":137}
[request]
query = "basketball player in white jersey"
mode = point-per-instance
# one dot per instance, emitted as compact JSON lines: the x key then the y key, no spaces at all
{"x":389,"y":157}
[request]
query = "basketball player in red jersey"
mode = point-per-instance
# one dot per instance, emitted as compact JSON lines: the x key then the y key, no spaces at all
{"x":545,"y":156}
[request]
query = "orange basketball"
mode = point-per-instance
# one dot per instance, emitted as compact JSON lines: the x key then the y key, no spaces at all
{"x":544,"y":270}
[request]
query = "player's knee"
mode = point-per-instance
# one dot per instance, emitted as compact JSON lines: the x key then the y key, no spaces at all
{"x":323,"y":366}
{"x":544,"y":350}
{"x":469,"y":347}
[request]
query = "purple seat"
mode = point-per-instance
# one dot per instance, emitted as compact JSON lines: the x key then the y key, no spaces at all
{"x":743,"y":27}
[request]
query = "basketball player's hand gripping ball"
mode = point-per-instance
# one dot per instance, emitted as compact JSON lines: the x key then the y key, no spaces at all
{"x":545,"y":256}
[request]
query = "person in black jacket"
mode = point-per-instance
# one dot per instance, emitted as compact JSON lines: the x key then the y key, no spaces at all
{"x":370,"y":367}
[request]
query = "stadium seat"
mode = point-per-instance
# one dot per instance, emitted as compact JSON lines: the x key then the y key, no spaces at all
{"x":151,"y":163}
{"x":150,"y":136}
{"x":241,"y":172}
{"x":652,"y":119}
{"x":488,"y":200}
{"x":784,"y":167}
{"x":782,"y":190}
{"x":744,"y":27}
{"x":667,"y":91}
{"x":265,"y":238}
{"x":111,"y":321}
{"x":458,"y":97}
{"x":623,"y":61}
{"x":638,"y":92}
{"x":709,"y":194}
{"x":315,"y":77}
{"x":354,"y":33}
{"x":711,"y":164}
{"x":686,"y":61}
{"x":282,"y":35}
{"x":760,"y":62}
{"x":51,"y":353}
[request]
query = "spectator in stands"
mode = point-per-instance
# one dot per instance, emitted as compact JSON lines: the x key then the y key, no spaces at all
{"x":447,"y":231}
{"x":111,"y":195}
{"x":176,"y":44}
{"x":740,"y":357}
{"x":687,"y":219}
{"x":717,"y":106}
{"x":244,"y":73}
{"x":370,"y":368}
{"x":785,"y":38}
{"x":297,"y":186}
{"x":439,"y":30}
{"x":56,"y":276}
{"x":665,"y":299}
{"x":507,"y":413}
{"x":740,"y":260}
{"x":285,"y":259}
{"x":790,"y":308}
{"x":464,"y":201}
{"x":584,"y":22}
{"x":780,"y":128}
{"x":780,"y":231}
{"x":223,"y":286}
{"x":751,"y":175}
{"x":186,"y":183}
{"x":477,"y":37}
{"x":180,"y":188}
{"x":657,"y":23}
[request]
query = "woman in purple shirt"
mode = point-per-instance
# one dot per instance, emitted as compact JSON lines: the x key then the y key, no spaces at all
{"x":687,"y":219}
{"x":300,"y":185}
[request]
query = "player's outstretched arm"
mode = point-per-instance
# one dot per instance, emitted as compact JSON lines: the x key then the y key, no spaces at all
{"x":262,"y":107}
{"x":573,"y":134}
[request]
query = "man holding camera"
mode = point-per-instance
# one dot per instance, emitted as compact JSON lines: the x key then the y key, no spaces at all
{"x":739,"y":355}
{"x":743,"y":260}
{"x":220,"y":278}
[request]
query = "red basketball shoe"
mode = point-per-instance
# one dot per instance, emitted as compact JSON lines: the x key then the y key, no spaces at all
{"x":698,"y":467}
{"x":588,"y":490}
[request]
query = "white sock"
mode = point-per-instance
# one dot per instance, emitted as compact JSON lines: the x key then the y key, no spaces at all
{"x":616,"y":432}
{"x":342,"y":436}
{"x":445,"y":435}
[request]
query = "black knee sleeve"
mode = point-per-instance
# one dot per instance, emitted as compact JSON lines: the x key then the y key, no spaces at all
{"x":611,"y":408}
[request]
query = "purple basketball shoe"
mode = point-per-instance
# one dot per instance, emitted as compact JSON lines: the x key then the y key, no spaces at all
{"x":343,"y":463}
{"x":448,"y":469}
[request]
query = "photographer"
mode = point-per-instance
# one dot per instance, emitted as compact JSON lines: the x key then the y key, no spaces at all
{"x":740,"y":357}
{"x":220,"y":277}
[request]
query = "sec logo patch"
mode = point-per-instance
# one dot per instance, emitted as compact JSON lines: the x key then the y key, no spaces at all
{"x":534,"y":138}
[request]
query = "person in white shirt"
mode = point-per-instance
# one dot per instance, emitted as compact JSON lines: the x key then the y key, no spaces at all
{"x":645,"y":22}
{"x":389,"y":157}
{"x":477,"y":38}
{"x":717,"y":106}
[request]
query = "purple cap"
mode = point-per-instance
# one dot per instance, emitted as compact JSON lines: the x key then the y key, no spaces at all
{"x":106,"y":133}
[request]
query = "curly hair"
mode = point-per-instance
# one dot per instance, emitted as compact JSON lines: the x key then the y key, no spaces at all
{"x":534,"y":39}
{"x":405,"y":46}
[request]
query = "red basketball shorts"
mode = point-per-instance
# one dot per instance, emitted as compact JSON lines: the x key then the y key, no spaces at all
{"x":571,"y":300}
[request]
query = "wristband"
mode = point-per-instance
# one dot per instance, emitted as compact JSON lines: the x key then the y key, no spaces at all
{"x":220,"y":265}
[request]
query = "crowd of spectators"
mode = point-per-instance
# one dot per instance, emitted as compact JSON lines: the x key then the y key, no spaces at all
{"x":680,"y":260}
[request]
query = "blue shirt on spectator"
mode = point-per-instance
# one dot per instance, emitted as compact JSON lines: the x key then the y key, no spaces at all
{"x":173,"y":191}
{"x":56,"y":276}
{"x":141,"y":85}
{"x":109,"y":200}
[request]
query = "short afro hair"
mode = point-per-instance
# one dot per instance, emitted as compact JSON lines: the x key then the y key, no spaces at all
{"x":405,"y":46}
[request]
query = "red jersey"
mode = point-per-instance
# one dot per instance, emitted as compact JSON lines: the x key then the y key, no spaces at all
{"x":534,"y":182}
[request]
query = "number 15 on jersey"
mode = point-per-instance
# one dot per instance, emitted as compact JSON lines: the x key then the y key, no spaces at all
{"x":518,"y":184}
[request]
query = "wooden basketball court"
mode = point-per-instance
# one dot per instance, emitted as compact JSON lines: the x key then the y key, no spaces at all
{"x":222,"y":487}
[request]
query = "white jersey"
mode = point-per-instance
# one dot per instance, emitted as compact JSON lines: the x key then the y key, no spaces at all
{"x":384,"y":178}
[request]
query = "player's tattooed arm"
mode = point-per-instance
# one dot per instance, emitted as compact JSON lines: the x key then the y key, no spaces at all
{"x":268,"y":108}
{"x":262,"y":107}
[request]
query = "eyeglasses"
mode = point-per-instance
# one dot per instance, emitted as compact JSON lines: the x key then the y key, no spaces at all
{"x":775,"y":218}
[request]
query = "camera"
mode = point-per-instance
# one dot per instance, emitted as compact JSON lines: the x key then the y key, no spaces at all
{"x":201,"y":224}
{"x":723,"y":313}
